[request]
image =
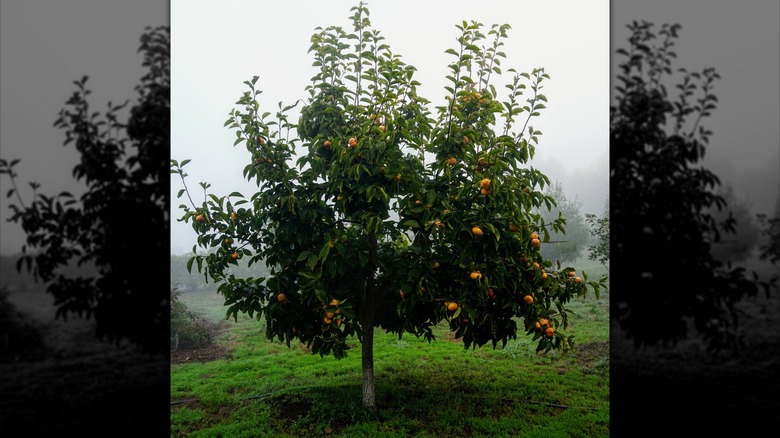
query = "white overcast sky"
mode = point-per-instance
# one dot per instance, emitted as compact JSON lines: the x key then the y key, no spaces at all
{"x":217,"y":46}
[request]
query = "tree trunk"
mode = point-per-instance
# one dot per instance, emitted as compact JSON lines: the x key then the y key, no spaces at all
{"x":368,"y":305}
{"x":369,"y":385}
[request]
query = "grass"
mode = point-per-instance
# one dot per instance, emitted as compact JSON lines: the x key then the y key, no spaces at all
{"x":423,"y":390}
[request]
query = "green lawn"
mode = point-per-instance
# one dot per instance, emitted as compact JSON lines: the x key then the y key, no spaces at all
{"x":436,"y":389}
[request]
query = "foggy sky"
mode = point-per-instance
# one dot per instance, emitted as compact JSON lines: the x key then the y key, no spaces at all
{"x":215,"y":49}
{"x":44,"y":47}
{"x":741,"y":40}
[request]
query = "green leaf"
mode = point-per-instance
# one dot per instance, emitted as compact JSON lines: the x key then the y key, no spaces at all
{"x":493,"y":231}
{"x":309,"y":275}
{"x":410,"y":223}
{"x":312,"y":261}
{"x":324,"y":252}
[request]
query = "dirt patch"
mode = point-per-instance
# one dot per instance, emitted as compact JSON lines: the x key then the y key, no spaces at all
{"x":207,"y":353}
{"x":592,"y":355}
{"x":200,"y":355}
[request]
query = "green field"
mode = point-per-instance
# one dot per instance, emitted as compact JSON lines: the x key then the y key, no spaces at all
{"x":436,"y":389}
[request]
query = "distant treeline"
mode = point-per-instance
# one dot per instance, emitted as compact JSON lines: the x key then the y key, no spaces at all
{"x":14,"y":279}
{"x":185,"y":281}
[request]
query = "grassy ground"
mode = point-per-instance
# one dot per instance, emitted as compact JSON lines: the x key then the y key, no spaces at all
{"x":76,"y":385}
{"x":707,"y":394}
{"x":437,"y":389}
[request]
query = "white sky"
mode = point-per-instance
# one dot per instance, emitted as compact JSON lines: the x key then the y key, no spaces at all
{"x":217,"y":46}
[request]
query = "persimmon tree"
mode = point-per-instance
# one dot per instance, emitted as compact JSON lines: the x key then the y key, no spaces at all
{"x":125,"y":171}
{"x":663,"y":202}
{"x":372,"y":211}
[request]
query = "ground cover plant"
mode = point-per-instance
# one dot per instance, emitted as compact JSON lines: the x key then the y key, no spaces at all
{"x":372,"y":212}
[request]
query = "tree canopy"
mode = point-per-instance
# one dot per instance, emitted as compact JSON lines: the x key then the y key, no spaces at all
{"x":372,"y":211}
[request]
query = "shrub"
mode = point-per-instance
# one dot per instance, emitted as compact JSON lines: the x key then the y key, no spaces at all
{"x":190,"y":328}
{"x":19,"y":331}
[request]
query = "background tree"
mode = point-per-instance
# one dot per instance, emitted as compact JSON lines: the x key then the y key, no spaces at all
{"x":124,"y":167}
{"x":599,"y":228}
{"x":770,"y":231}
{"x":661,"y":221}
{"x":390,"y":218}
{"x":565,"y":246}
{"x":738,"y":245}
